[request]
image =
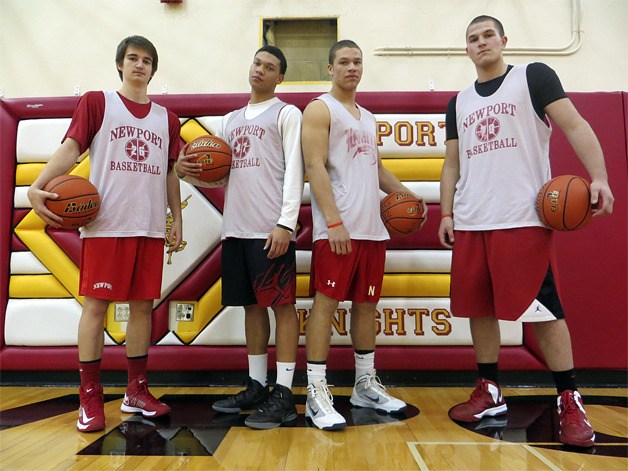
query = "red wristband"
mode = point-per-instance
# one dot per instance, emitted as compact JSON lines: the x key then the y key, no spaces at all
{"x":443,"y":216}
{"x":336,"y":224}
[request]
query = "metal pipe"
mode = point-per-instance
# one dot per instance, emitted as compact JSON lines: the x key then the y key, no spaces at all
{"x":572,"y":47}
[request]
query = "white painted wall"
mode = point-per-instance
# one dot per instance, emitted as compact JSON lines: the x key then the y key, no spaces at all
{"x":48,"y":47}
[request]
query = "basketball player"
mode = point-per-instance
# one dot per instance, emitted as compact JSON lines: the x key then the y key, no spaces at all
{"x":346,"y":174}
{"x":497,"y":159}
{"x":262,"y":201}
{"x":132,"y":143}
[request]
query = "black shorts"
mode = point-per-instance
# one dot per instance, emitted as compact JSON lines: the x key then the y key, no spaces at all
{"x":250,"y":277}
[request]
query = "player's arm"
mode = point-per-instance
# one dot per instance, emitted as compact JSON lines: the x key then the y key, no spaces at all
{"x":173,"y":194}
{"x":315,"y":144}
{"x":448,"y":179}
{"x":173,"y":189}
{"x":60,"y":163}
{"x":389,"y":183}
{"x":587,"y":148}
{"x":290,"y":129}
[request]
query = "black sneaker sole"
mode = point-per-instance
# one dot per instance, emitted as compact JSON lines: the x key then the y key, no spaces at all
{"x":227,"y":410}
{"x":289,"y":421}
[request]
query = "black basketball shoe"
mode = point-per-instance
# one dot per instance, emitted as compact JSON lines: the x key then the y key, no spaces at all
{"x":278,"y":410}
{"x":251,"y":397}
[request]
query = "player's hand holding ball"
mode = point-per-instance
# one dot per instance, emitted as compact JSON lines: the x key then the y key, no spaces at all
{"x":205,"y":162}
{"x":403,"y":213}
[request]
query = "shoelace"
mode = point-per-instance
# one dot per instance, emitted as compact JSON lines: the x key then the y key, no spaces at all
{"x":273,"y":404}
{"x":326,"y":398}
{"x":569,"y":411}
{"x":242,"y":396}
{"x":478,"y":392}
{"x":375,"y":383}
{"x":92,"y":403}
{"x":143,"y":393}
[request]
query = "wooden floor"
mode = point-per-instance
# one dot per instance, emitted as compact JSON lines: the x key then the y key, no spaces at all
{"x":427,"y":441}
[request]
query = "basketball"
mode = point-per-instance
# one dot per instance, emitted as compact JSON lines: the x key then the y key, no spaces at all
{"x":564,"y":203}
{"x":78,"y":202}
{"x":214,"y":154}
{"x":402,"y":213}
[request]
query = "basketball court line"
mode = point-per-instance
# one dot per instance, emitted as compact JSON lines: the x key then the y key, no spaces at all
{"x":413,"y":447}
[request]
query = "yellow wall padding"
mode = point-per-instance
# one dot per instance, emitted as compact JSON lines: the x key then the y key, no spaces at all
{"x":415,"y":169}
{"x":36,"y":286}
{"x":207,"y":308}
{"x":191,"y":129}
{"x":25,"y":174}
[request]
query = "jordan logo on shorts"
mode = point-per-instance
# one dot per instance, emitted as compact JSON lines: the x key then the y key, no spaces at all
{"x":331,"y":283}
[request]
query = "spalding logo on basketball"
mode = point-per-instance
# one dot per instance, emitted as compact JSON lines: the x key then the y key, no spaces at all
{"x":402,"y":213}
{"x":564,"y":203}
{"x":78,"y":202}
{"x":214,"y":154}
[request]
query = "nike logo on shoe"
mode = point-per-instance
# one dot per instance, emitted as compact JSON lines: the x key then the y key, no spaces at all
{"x":374,"y":399}
{"x":84,"y":418}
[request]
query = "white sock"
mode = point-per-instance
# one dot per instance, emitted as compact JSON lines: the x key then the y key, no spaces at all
{"x":364,"y":364}
{"x":316,"y":373}
{"x":285,"y":373}
{"x":258,"y":368}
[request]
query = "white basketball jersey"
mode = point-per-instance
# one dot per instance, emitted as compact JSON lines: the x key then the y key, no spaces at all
{"x":504,"y":157}
{"x":254,"y":192}
{"x":128,"y":165}
{"x":352,"y":168}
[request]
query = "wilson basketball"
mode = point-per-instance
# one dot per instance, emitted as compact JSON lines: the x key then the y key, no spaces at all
{"x":402,"y":213}
{"x":78,"y":202}
{"x":214,"y":154}
{"x":564,"y":203}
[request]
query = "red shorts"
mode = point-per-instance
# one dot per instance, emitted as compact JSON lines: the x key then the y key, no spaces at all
{"x":122,"y":268}
{"x":356,"y":276}
{"x":499,"y":273}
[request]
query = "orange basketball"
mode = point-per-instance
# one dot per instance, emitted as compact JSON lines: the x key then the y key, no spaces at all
{"x":78,"y":202}
{"x":402,"y":213}
{"x":214,"y":154}
{"x":564,"y":203}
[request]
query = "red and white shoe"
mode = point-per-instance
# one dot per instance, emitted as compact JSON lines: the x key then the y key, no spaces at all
{"x":486,"y":401}
{"x":575,"y":429}
{"x":138,"y":399}
{"x":92,"y":409}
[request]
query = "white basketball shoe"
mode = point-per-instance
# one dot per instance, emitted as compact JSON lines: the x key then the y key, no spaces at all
{"x":319,"y":408}
{"x":368,"y":391}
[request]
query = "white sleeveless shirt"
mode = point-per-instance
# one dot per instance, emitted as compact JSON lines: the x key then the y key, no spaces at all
{"x":254,"y":193}
{"x":352,"y":168}
{"x":128,"y":165}
{"x":504,"y":157}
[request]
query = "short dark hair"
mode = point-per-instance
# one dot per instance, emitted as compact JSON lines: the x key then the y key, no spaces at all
{"x":339,"y":45}
{"x":139,"y":42}
{"x":275,"y":51}
{"x":482,"y":18}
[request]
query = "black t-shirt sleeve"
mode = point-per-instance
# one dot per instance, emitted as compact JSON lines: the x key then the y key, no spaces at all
{"x":451,"y":128}
{"x":544,"y":85}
